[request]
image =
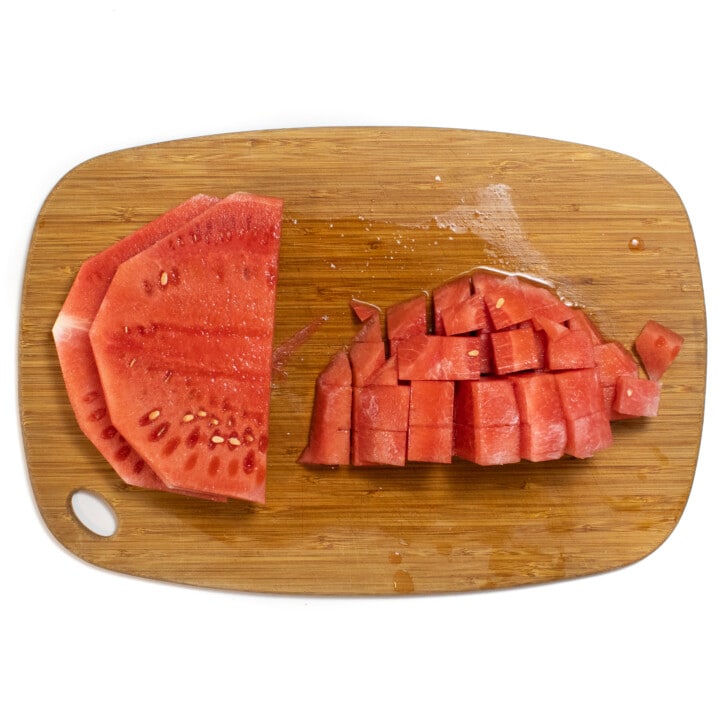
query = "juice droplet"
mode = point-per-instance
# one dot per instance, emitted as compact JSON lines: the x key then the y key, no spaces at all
{"x":403,"y":582}
{"x":395,"y":558}
{"x":636,"y":243}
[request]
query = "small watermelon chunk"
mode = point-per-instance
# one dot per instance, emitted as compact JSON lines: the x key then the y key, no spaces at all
{"x":543,"y":430}
{"x":329,"y":439}
{"x":637,"y":397}
{"x":580,"y":321}
{"x":657,"y":346}
{"x":515,"y":350}
{"x":448,"y":295}
{"x":406,"y":319}
{"x":439,"y":357}
{"x":588,"y":425}
{"x":366,"y":359}
{"x":466,"y":316}
{"x":504,"y":299}
{"x":386,"y":374}
{"x":430,"y":422}
{"x":430,"y":444}
{"x":381,"y":407}
{"x":611,"y":361}
{"x":571,"y":350}
{"x":431,"y":403}
{"x":380,"y":421}
{"x":187,"y":381}
{"x":544,"y":304}
{"x":379,"y":447}
{"x":487,"y":422}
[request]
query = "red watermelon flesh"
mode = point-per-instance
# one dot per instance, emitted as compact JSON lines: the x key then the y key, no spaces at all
{"x":446,"y":296}
{"x":72,"y":341}
{"x":329,"y":440}
{"x":523,"y":376}
{"x":657,"y":346}
{"x":183,"y":344}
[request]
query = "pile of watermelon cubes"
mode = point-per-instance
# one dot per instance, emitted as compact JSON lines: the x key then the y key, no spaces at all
{"x":490,"y":368}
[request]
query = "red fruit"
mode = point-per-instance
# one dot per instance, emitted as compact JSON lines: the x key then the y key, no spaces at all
{"x":515,"y":350}
{"x":448,"y":295}
{"x":439,"y":357}
{"x":72,"y":340}
{"x":329,"y":439}
{"x":657,"y":346}
{"x":504,"y":299}
{"x":637,"y":397}
{"x":571,"y":350}
{"x":183,"y":344}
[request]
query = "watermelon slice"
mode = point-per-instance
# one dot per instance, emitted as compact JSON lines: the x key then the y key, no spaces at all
{"x":72,"y":341}
{"x":183,"y":345}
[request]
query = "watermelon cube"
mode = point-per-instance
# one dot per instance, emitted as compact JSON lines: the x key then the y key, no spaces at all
{"x":580,"y":321}
{"x":447,"y":295}
{"x":366,"y":359}
{"x":545,"y":304}
{"x":386,"y":374}
{"x":588,"y":425}
{"x":487,"y":423}
{"x":407,"y":318}
{"x":371,"y":330}
{"x":430,"y":423}
{"x":543,"y":431}
{"x":431,"y":403}
{"x":381,"y":407}
{"x":657,"y":346}
{"x":504,"y":298}
{"x":439,"y":357}
{"x":515,"y":350}
{"x":637,"y":397}
{"x":364,"y":310}
{"x":570,"y":350}
{"x":494,"y":445}
{"x":588,"y":434}
{"x":379,"y":447}
{"x":611,"y":361}
{"x":468,"y":315}
{"x":329,"y":437}
{"x":430,"y":444}
{"x":580,"y":392}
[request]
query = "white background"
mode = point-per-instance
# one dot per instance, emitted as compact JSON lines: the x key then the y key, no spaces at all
{"x":83,"y":78}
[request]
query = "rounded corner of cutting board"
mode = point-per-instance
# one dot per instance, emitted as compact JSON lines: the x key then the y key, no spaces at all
{"x":357,"y":197}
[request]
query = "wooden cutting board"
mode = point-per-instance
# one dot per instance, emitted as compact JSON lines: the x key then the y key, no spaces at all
{"x":381,"y":214}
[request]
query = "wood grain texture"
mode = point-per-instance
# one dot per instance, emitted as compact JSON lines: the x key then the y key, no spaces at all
{"x":381,"y":214}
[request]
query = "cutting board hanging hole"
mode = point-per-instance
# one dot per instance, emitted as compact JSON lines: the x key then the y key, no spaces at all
{"x":94,"y":513}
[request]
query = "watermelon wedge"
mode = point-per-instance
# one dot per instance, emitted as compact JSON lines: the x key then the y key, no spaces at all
{"x":72,"y":341}
{"x":183,"y":346}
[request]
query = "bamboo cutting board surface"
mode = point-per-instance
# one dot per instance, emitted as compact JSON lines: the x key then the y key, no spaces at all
{"x":381,"y":214}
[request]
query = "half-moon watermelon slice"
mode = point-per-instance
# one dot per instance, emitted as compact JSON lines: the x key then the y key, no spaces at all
{"x":183,"y":345}
{"x":72,"y":341}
